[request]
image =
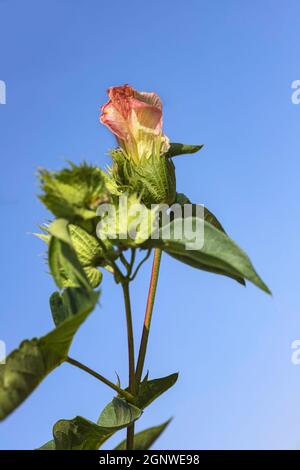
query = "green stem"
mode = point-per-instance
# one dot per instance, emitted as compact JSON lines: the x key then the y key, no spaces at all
{"x":124,"y":261}
{"x":140,"y":264}
{"x":110,"y":384}
{"x":130,"y":437}
{"x":133,"y":254}
{"x":148,"y":315}
{"x":118,"y":275}
{"x":131,"y":363}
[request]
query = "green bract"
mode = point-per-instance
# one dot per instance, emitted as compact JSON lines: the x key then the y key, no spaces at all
{"x":152,"y":179}
{"x":73,"y":193}
{"x":181,"y":149}
{"x":128,"y":223}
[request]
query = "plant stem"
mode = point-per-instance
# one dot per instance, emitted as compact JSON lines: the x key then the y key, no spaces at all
{"x":124,"y":261}
{"x":132,"y":260}
{"x":148,"y":315}
{"x":110,"y":384}
{"x":130,"y":340}
{"x":116,"y":270}
{"x":131,"y":363}
{"x":140,"y":264}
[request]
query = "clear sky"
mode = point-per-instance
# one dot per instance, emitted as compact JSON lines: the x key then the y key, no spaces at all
{"x":224,"y":71}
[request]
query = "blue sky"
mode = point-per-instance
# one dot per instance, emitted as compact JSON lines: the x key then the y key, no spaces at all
{"x":224,"y":71}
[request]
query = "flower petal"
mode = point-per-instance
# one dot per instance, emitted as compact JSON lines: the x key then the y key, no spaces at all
{"x":136,"y":120}
{"x":150,"y":98}
{"x":120,"y":97}
{"x":147,"y":115}
{"x":114,"y":120}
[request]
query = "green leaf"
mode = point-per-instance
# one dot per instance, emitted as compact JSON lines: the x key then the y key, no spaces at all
{"x":181,"y":149}
{"x":118,"y":411}
{"x":208,"y":216}
{"x":28,"y":365}
{"x":59,"y":309}
{"x":50,"y":445}
{"x":145,"y":439}
{"x":24,"y":369}
{"x":56,"y":344}
{"x":73,"y":193}
{"x":81,"y":434}
{"x":195,"y":263}
{"x":149,"y":390}
{"x":56,"y":264}
{"x":212,"y":219}
{"x":72,"y":301}
{"x":218,"y":254}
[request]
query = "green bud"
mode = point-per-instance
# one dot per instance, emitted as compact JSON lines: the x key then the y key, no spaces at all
{"x":73,"y":193}
{"x":152,"y":179}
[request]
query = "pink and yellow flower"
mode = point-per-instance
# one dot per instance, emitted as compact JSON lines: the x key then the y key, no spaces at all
{"x":136,"y":120}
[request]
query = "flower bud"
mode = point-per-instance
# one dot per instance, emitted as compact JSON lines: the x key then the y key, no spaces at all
{"x":139,"y":165}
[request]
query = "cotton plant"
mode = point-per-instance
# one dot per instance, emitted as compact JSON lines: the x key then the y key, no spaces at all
{"x":91,"y":232}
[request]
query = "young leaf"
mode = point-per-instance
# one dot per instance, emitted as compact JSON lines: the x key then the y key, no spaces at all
{"x":149,"y":390}
{"x":28,"y":365}
{"x":145,"y":439}
{"x":81,"y":434}
{"x":181,"y":149}
{"x":118,"y":411}
{"x":78,"y":434}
